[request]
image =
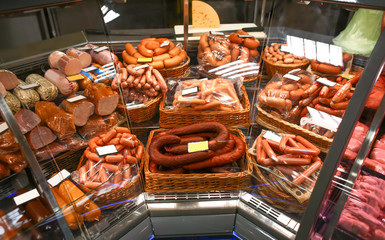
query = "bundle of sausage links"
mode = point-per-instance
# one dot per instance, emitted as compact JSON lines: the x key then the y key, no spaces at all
{"x":213,"y":94}
{"x":114,"y":169}
{"x":290,"y":150}
{"x":162,"y":51}
{"x":169,"y":152}
{"x":139,"y":83}
{"x":217,"y":50}
{"x":274,"y":54}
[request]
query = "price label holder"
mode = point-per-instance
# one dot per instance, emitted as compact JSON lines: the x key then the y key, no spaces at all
{"x":191,"y":90}
{"x":297,"y":46}
{"x":322,"y":52}
{"x":58,"y":178}
{"x":198,"y":146}
{"x":272,"y":136}
{"x":29,"y":86}
{"x":3,"y":127}
{"x":99,"y":49}
{"x":335,"y":57}
{"x":310,"y":49}
{"x":106,"y":150}
{"x":89,"y":69}
{"x":76,"y":77}
{"x":217,"y":33}
{"x":84,"y":48}
{"x":292,"y":77}
{"x":144,"y":60}
{"x":131,"y":106}
{"x":245,"y":36}
{"x":326,"y":82}
{"x":76,"y":98}
{"x":141,"y":66}
{"x":26,"y":197}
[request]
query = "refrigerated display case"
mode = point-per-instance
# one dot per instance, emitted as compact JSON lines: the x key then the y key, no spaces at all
{"x":253,"y":198}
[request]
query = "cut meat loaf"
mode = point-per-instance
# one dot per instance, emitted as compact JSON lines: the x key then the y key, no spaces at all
{"x":81,"y":110}
{"x":103,"y":97}
{"x":27,"y":120}
{"x":40,"y":137}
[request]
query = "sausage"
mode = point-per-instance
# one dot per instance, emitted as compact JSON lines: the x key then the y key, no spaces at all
{"x":60,"y":81}
{"x":342,"y":92}
{"x":235,"y":52}
{"x":296,"y":95}
{"x":335,"y":112}
{"x":161,"y":57}
{"x":152,"y":45}
{"x":245,"y":54}
{"x":251,"y":43}
{"x":266,"y":147}
{"x":325,"y":68}
{"x":144,"y":51}
{"x":312,"y":90}
{"x":221,"y":159}
{"x":307,"y":144}
{"x":203,"y":41}
{"x":103,"y":57}
{"x":84,"y":57}
{"x":157,"y":64}
{"x":172,"y":62}
{"x":234,"y":38}
{"x":307,"y":173}
{"x":175,"y":51}
{"x":286,"y":161}
{"x":324,"y":91}
{"x":130,"y":49}
{"x":160,"y":79}
{"x":153,"y":167}
{"x":340,"y":105}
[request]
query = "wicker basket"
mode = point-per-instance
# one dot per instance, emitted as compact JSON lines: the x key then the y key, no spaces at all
{"x":171,"y":118}
{"x":142,"y":114}
{"x":195,"y":182}
{"x":206,"y":68}
{"x":272,"y":68}
{"x":273,"y":123}
{"x":117,"y":196}
{"x":177,"y":71}
{"x":273,"y":195}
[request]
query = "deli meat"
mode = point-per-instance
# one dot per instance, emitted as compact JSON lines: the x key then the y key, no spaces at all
{"x":103,"y":57}
{"x":4,"y":171}
{"x":111,"y":120}
{"x":61,"y":82}
{"x":84,"y":57}
{"x":50,"y":151}
{"x":8,"y":143}
{"x":27,"y":120}
{"x":103,"y":97}
{"x":66,"y":64}
{"x":81,"y":110}
{"x":75,"y":142}
{"x":8,"y":79}
{"x":59,"y":121}
{"x":16,"y":162}
{"x":40,"y":137}
{"x":94,"y":127}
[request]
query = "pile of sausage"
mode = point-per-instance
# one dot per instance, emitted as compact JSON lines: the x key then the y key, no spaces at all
{"x":363,"y":212}
{"x":376,"y":161}
{"x":291,"y":150}
{"x":283,"y":97}
{"x":273,"y":54}
{"x":143,"y":84}
{"x":75,"y":205}
{"x":11,"y":157}
{"x":217,"y":50}
{"x":111,"y":170}
{"x":162,"y":51}
{"x":213,"y":94}
{"x":329,"y":68}
{"x":169,"y":152}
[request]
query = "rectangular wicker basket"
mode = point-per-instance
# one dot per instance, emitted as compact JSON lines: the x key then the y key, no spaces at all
{"x":196,"y":182}
{"x":176,"y":118}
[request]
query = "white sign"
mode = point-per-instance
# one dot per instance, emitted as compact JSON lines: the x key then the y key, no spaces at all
{"x":25,"y":197}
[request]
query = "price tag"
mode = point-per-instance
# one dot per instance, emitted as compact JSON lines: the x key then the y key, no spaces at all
{"x":323,"y":119}
{"x":348,"y":76}
{"x":292,"y":77}
{"x":3,"y":127}
{"x":25,"y":197}
{"x":245,"y":36}
{"x":99,"y":49}
{"x":272,"y":136}
{"x":289,"y":43}
{"x":84,"y":48}
{"x":217,"y":33}
{"x":314,"y":113}
{"x":165,"y":43}
{"x":141,"y":66}
{"x":335,"y":57}
{"x":134,"y":106}
{"x":322,"y":52}
{"x":189,"y":90}
{"x":28,"y":86}
{"x":310,"y":49}
{"x":144,"y":60}
{"x":285,"y":48}
{"x":326,"y":82}
{"x":297,"y":46}
{"x":75,"y":77}
{"x":76,"y":98}
{"x":58,"y":178}
{"x":106,"y":150}
{"x":198,"y":146}
{"x":203,"y":79}
{"x":89,"y":69}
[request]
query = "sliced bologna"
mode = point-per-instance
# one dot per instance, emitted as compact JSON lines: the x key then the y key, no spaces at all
{"x":84,"y":57}
{"x":65,"y":63}
{"x":81,"y":110}
{"x":40,"y":137}
{"x":27,"y":120}
{"x":103,"y":97}
{"x":8,"y":79}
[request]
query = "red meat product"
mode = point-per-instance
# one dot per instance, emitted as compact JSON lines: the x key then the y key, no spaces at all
{"x":102,"y":57}
{"x":50,"y":151}
{"x":61,"y":82}
{"x":365,"y":217}
{"x":379,"y":234}
{"x":8,"y":143}
{"x":352,"y":204}
{"x":81,"y":110}
{"x":111,"y":120}
{"x":103,"y":97}
{"x":73,"y":143}
{"x":65,"y":63}
{"x":84,"y":57}
{"x":359,"y":133}
{"x":380,"y":143}
{"x":353,"y":225}
{"x":8,"y":79}
{"x":378,"y":153}
{"x":371,"y":199}
{"x":57,"y":119}
{"x":16,"y":161}
{"x":354,"y":145}
{"x":376,"y":94}
{"x":27,"y":120}
{"x":94,"y":127}
{"x":4,"y":170}
{"x":40,"y":137}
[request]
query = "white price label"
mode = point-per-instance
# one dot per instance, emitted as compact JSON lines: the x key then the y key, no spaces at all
{"x":285,"y":48}
{"x":99,"y":49}
{"x":217,"y":33}
{"x":141,"y":66}
{"x":189,"y":90}
{"x":25,"y":197}
{"x":292,"y":77}
{"x":335,"y":57}
{"x":106,"y":150}
{"x":83,"y":48}
{"x":134,"y":106}
{"x":89,"y":69}
{"x":310,"y":49}
{"x":297,"y":46}
{"x":28,"y":86}
{"x":322,"y":52}
{"x":314,"y":113}
{"x":3,"y":127}
{"x":272,"y":136}
{"x":58,"y":178}
{"x":326,"y":82}
{"x":245,"y":36}
{"x":76,"y":98}
{"x":323,"y":119}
